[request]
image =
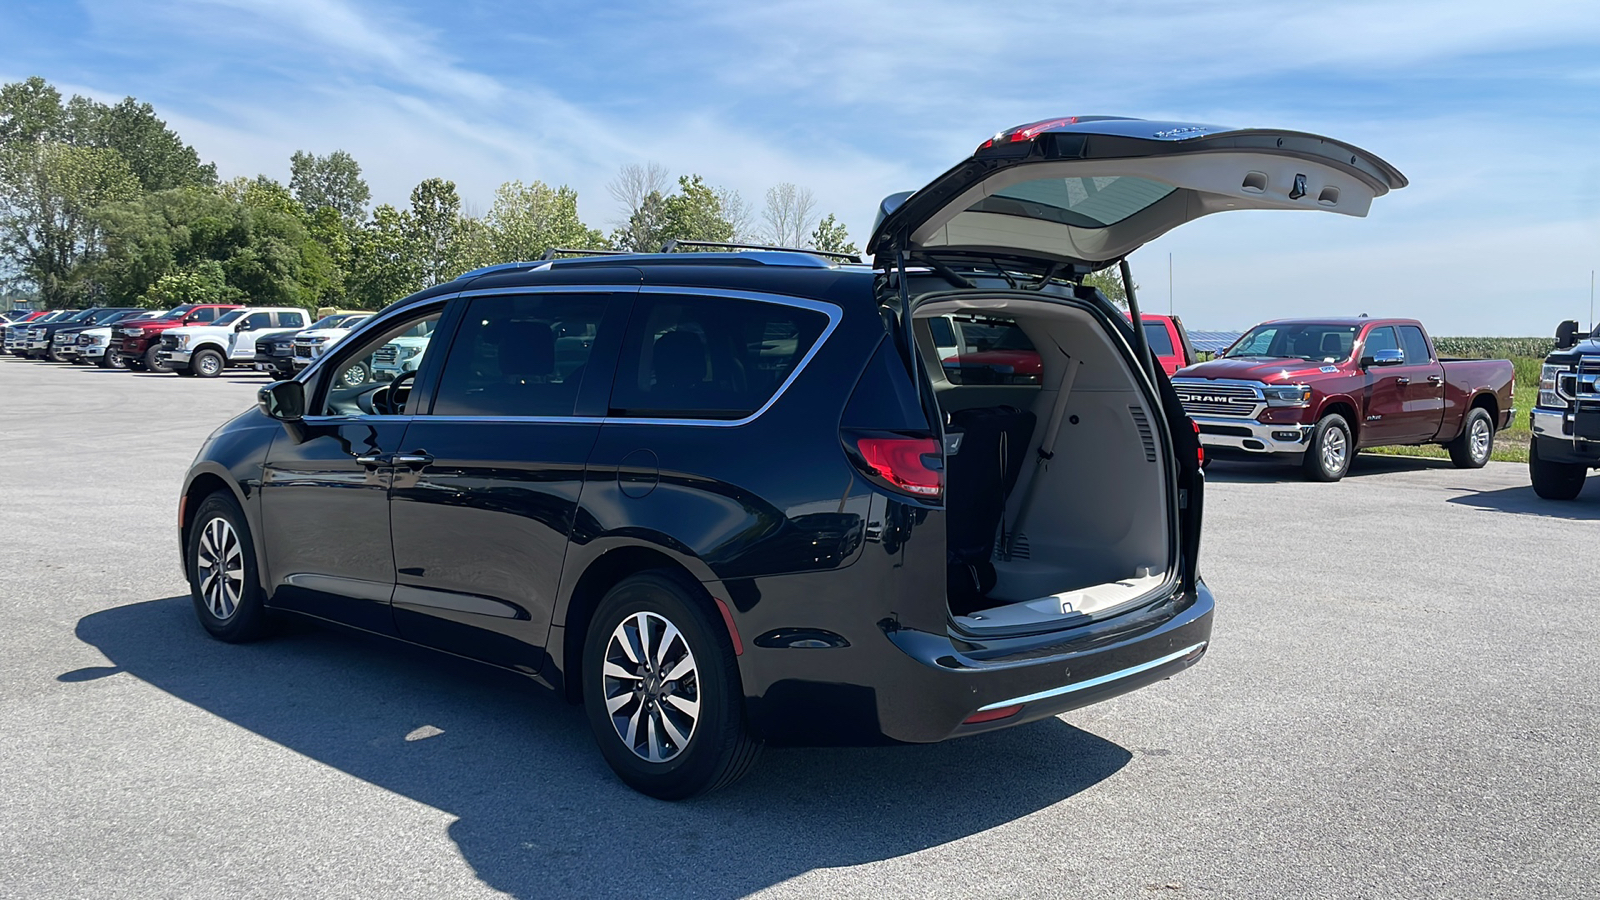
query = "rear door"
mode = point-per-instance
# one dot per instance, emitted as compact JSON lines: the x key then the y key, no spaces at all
{"x":487,"y":483}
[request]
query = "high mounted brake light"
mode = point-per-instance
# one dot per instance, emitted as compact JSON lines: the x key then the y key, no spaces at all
{"x":1026,"y":132}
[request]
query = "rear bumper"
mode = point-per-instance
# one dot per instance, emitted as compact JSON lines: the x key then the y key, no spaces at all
{"x":1250,"y":436}
{"x":916,"y":687}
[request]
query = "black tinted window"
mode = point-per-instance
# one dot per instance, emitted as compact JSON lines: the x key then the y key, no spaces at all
{"x":1414,"y":345}
{"x":1155,"y":334}
{"x":204,"y":315}
{"x":291,"y":320}
{"x":709,"y":357}
{"x":519,"y":356}
{"x":997,"y":352}
{"x":258,"y":320}
{"x":943,"y":334}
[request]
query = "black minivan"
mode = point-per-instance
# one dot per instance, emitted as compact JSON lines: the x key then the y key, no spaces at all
{"x":730,"y":498}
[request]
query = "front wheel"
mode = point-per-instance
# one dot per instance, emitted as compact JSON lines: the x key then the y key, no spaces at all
{"x":1472,"y":448}
{"x":355,"y":375}
{"x":1554,"y":480}
{"x":1330,"y":450}
{"x":206,"y":364}
{"x":152,"y":361}
{"x":661,"y":689}
{"x":223,"y":579}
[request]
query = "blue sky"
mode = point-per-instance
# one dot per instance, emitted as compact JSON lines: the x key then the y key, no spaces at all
{"x":1491,"y":109}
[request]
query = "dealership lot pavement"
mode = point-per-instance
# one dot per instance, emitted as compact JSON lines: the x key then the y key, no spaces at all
{"x":1400,"y":701}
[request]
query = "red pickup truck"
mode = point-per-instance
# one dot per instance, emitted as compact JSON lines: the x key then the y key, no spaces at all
{"x":986,"y":353}
{"x":1321,"y":389}
{"x":137,"y":342}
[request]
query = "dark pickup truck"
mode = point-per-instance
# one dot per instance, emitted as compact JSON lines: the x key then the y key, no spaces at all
{"x":1566,"y":415}
{"x":1320,"y":389}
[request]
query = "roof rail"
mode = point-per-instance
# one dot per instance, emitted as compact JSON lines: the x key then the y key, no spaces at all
{"x":498,"y":267}
{"x":553,"y":252}
{"x":673,"y":244}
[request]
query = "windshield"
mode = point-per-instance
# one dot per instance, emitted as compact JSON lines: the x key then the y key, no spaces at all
{"x":230,"y":318}
{"x":1296,"y":340}
{"x":177,"y":312}
{"x":344,"y":320}
{"x":86,"y":314}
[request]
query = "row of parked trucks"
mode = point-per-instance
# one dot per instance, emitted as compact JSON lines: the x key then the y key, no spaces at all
{"x":201,"y":340}
{"x":1313,"y":391}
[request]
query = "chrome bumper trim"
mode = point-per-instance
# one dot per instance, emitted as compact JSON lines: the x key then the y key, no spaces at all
{"x":1096,"y":682}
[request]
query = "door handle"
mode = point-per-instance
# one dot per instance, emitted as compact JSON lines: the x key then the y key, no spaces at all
{"x":1436,"y":380}
{"x":414,"y":460}
{"x":375,"y":459}
{"x":1402,"y":380}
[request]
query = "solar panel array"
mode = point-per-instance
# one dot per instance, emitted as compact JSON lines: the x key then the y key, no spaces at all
{"x":1213,"y":341}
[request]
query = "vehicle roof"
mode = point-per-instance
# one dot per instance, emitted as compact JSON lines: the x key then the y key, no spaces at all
{"x":1341,"y":320}
{"x":794,"y":273}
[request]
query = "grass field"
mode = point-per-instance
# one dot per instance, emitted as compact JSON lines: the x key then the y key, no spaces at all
{"x":1510,"y":445}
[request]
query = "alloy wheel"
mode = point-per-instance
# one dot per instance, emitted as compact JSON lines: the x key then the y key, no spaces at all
{"x":219,"y":565}
{"x":1334,"y":450}
{"x":1479,"y":437}
{"x":652,"y":687}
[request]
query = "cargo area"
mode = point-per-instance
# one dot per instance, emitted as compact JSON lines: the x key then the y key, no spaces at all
{"x":1057,"y":489}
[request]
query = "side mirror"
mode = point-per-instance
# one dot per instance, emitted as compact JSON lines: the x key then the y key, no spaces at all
{"x":1383,"y":358}
{"x":1567,"y":335}
{"x":283,"y":400}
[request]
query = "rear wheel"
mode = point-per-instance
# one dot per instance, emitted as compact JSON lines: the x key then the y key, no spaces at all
{"x":223,"y":580}
{"x":1471,"y":450}
{"x":661,"y":689}
{"x":152,"y":362}
{"x":1330,"y":450}
{"x":206,"y":364}
{"x":1554,"y":480}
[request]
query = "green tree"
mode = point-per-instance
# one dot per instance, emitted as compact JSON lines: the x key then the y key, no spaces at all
{"x":333,"y":180}
{"x":643,"y":232}
{"x":382,"y":267}
{"x":30,"y":113}
{"x":528,"y":219}
{"x":157,"y":156}
{"x":204,"y":283}
{"x":830,"y":235}
{"x":48,"y":193}
{"x":694,"y":213}
{"x":1109,"y":282}
{"x":435,"y":222}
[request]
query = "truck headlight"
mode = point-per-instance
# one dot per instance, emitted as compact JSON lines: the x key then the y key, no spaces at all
{"x":183,"y":342}
{"x":1549,"y":397}
{"x":408,"y":352}
{"x":1288,"y":395}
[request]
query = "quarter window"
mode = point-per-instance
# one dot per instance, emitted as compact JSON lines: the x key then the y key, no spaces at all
{"x":709,"y":357}
{"x":1159,"y":339}
{"x":522,"y":355}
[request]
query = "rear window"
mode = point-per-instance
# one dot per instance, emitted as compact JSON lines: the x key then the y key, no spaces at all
{"x":709,"y":357}
{"x":996,"y":352}
{"x":1082,"y":202}
{"x":1159,"y":339}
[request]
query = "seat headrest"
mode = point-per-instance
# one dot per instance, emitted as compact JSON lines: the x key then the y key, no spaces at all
{"x":680,"y":359}
{"x":1332,"y":345}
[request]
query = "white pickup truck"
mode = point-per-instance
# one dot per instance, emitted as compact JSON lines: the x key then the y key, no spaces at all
{"x":205,"y":350}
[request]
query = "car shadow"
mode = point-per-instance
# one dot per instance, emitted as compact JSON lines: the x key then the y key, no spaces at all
{"x":538,"y":813}
{"x":1245,"y":471}
{"x":1523,"y":501}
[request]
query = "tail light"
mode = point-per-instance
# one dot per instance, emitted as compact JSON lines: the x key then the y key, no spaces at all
{"x":1199,"y":448}
{"x":909,"y":464}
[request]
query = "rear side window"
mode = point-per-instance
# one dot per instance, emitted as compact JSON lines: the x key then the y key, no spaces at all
{"x":291,"y":320}
{"x":1160,"y":341}
{"x":519,"y":356}
{"x":1414,"y":345}
{"x":943,"y":334}
{"x":996,"y":352}
{"x":709,"y":357}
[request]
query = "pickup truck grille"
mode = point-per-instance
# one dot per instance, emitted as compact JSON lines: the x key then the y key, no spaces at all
{"x":1208,"y":398}
{"x":169,"y":341}
{"x":386,"y":355}
{"x":302,"y":350}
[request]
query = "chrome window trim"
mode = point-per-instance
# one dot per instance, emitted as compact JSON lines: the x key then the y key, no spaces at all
{"x":832,"y":311}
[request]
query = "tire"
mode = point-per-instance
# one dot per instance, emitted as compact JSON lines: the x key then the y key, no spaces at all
{"x":151,"y":362}
{"x":111,"y":361}
{"x":703,"y":707}
{"x":1473,"y":447}
{"x":185,"y":371}
{"x":207,"y":364}
{"x":227,"y":596}
{"x":355,"y":375}
{"x":55,"y":356}
{"x":1555,"y":480}
{"x":1330,"y":451}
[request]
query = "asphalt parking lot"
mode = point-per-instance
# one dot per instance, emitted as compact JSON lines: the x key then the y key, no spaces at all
{"x":1400,"y":701}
